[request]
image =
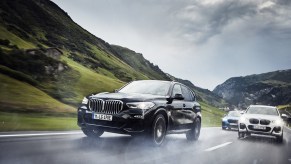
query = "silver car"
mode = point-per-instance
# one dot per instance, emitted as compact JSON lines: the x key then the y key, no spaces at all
{"x":260,"y":119}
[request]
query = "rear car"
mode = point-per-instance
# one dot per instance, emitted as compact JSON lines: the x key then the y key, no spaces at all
{"x":230,"y":120}
{"x":260,"y":119}
{"x":147,"y":107}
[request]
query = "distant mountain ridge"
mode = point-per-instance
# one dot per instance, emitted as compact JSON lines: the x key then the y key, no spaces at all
{"x":272,"y":88}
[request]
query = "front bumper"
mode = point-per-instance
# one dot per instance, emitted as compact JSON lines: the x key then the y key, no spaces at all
{"x":125,"y":122}
{"x":226,"y":124}
{"x":271,"y":129}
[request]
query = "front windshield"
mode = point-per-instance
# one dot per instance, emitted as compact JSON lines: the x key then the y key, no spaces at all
{"x":262,"y":110}
{"x":147,"y":87}
{"x":234,"y":114}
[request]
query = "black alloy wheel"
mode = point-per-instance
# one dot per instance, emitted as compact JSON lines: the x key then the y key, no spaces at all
{"x":158,"y":130}
{"x":194,"y":133}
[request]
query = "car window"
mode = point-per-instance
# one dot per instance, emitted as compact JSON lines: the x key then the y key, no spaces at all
{"x":234,"y":114}
{"x":187,"y":94}
{"x":262,"y":110}
{"x":147,"y":87}
{"x":176,"y":90}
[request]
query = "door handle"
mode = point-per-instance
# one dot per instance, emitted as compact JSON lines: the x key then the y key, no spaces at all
{"x":184,"y":105}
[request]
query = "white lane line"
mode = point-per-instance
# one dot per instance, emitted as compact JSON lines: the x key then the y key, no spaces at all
{"x":37,"y":134}
{"x":218,"y":146}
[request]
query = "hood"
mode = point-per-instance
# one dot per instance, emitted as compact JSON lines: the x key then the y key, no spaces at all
{"x":133,"y":97}
{"x":262,"y":116}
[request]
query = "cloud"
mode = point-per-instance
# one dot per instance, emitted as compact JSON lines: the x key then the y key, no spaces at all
{"x":201,"y":20}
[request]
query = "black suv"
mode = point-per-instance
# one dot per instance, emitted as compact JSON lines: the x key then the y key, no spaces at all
{"x":150,"y":107}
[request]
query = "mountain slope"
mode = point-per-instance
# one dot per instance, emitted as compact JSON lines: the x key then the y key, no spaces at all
{"x":42,"y":24}
{"x":27,"y":31}
{"x":138,"y":62}
{"x":272,"y":88}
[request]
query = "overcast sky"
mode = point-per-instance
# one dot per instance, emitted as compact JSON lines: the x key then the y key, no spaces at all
{"x":204,"y":41}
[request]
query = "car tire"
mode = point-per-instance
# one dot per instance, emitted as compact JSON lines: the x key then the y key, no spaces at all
{"x":241,"y":135}
{"x":194,"y":133}
{"x":279,"y":139}
{"x":158,"y":131}
{"x":92,"y":133}
{"x":223,"y":128}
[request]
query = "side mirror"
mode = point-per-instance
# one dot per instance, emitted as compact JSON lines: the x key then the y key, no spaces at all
{"x":115,"y":90}
{"x":224,"y":115}
{"x":284,"y":115}
{"x":178,"y":97}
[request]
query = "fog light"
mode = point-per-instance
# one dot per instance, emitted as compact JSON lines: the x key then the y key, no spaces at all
{"x":277,"y":129}
{"x":242,"y":126}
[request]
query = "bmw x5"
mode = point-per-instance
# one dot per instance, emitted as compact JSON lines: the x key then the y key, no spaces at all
{"x":149,"y":107}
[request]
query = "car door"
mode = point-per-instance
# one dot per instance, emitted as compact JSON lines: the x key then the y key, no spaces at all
{"x":177,"y":117}
{"x":188,"y":106}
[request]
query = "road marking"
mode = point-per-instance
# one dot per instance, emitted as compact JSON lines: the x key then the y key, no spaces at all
{"x":218,"y":146}
{"x":37,"y":134}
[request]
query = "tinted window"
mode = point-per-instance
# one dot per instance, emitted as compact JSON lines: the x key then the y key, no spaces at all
{"x":187,"y":94}
{"x":147,"y":87}
{"x":234,"y":114}
{"x":176,"y":90}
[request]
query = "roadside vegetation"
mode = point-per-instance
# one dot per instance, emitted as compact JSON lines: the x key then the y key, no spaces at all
{"x":211,"y":116}
{"x":35,"y":122}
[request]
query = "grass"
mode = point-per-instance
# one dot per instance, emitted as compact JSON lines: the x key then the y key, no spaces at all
{"x":15,"y":40}
{"x":90,"y":81}
{"x":22,"y":97}
{"x":211,"y":116}
{"x":115,"y":63}
{"x":35,"y":122}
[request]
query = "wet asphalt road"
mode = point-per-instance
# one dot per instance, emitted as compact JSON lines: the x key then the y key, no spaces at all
{"x":214,"y":146}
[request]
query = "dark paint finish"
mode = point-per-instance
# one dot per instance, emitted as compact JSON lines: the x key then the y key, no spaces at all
{"x":179,"y":114}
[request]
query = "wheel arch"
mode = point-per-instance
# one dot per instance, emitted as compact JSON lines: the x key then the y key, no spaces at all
{"x":164,"y":113}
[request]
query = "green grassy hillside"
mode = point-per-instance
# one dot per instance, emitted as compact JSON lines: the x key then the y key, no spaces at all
{"x":138,"y":62}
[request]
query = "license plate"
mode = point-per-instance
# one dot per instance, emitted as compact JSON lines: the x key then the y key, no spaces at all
{"x":259,"y":127}
{"x":105,"y":117}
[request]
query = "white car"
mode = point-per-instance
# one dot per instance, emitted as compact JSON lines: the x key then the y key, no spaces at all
{"x":260,"y":119}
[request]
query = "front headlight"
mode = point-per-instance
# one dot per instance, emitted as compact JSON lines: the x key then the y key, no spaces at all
{"x":141,"y":105}
{"x":224,"y":119}
{"x":277,"y":122}
{"x":85,"y":100}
